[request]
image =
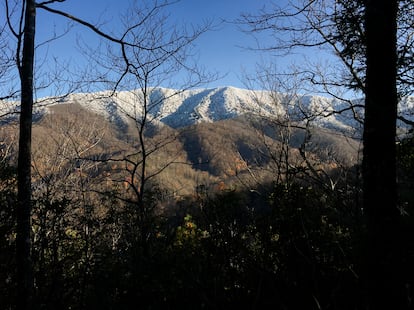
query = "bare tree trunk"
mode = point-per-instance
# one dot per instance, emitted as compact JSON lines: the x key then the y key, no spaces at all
{"x":382,"y":279}
{"x":23,"y":239}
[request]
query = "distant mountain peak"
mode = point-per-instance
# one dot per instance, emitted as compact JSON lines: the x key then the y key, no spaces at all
{"x":176,"y":108}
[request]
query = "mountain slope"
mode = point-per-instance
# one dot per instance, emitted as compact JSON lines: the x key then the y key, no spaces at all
{"x":179,"y":109}
{"x":224,"y":135}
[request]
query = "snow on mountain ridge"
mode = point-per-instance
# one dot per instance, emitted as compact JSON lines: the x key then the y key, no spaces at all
{"x":177,"y":108}
{"x":183,"y":108}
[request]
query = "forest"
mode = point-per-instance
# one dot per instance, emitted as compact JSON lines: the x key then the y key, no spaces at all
{"x":91,"y":216}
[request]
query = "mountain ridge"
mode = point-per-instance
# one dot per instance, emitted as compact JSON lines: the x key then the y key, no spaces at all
{"x":182,"y":108}
{"x":177,"y":109}
{"x":214,"y":135}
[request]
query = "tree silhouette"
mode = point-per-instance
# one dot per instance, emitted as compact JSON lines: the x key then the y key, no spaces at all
{"x":383,"y":278}
{"x":363,"y":35}
{"x":157,"y":52}
{"x":26,"y":42}
{"x":24,"y":34}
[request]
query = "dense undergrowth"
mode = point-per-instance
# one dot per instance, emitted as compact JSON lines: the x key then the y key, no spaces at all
{"x":283,"y":246}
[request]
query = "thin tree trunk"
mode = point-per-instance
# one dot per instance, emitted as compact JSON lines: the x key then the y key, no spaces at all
{"x":381,"y":278}
{"x":23,"y":238}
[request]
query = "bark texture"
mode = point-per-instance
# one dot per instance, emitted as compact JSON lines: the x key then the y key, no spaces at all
{"x":24,"y":207}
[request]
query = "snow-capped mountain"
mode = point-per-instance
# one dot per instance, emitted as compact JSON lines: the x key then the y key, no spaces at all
{"x":177,"y":108}
{"x":183,"y":108}
{"x":174,"y":108}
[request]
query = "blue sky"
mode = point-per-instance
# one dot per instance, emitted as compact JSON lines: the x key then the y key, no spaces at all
{"x":225,"y":49}
{"x":222,"y":49}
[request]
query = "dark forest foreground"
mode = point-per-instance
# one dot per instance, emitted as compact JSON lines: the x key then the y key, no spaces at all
{"x":284,"y":246}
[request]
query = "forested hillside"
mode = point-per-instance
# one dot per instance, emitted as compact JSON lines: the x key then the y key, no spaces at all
{"x":126,"y":182}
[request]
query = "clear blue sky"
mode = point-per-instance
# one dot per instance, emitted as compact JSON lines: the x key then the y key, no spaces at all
{"x":219,"y":50}
{"x":223,"y":50}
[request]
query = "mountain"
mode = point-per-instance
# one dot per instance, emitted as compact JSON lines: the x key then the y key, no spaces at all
{"x":179,"y":109}
{"x":229,"y":135}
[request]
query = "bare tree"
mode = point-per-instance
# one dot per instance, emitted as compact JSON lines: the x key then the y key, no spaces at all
{"x":148,"y":68}
{"x":300,"y":149}
{"x":21,"y":22}
{"x":332,"y":28}
{"x":62,"y":193}
{"x":7,"y":63}
{"x":355,"y":31}
{"x":25,"y":36}
{"x":23,"y":29}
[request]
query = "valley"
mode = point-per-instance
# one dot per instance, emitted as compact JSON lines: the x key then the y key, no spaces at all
{"x":217,"y":138}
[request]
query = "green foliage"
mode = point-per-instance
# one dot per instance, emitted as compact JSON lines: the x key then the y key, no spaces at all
{"x":286,"y":247}
{"x":294,"y":252}
{"x":314,"y":242}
